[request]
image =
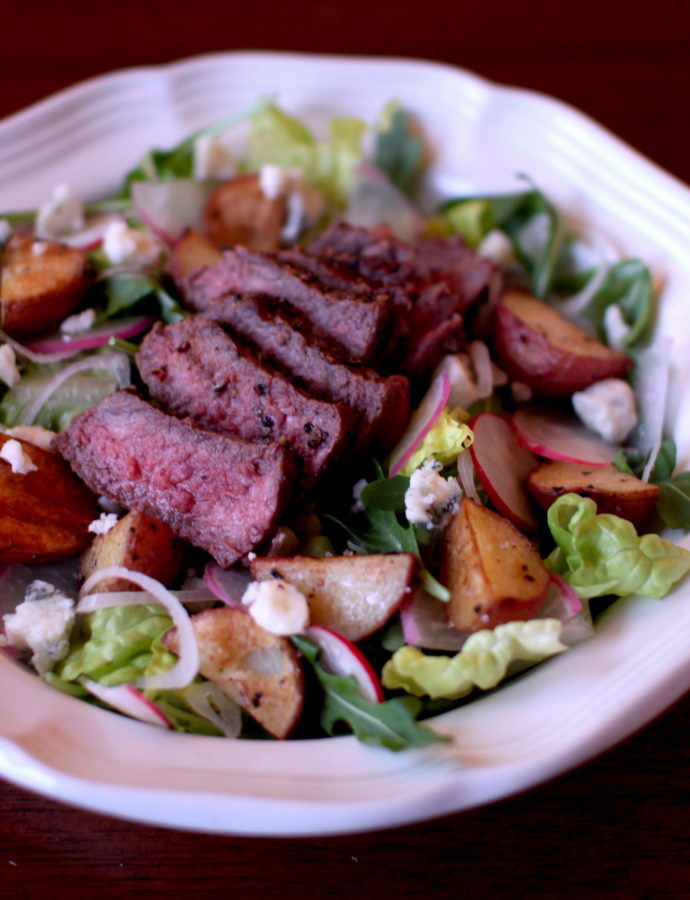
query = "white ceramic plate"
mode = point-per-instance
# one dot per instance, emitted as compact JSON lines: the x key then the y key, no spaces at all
{"x":546,"y":722}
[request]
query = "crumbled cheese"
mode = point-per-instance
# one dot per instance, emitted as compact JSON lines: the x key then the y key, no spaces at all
{"x":212,"y":159}
{"x":42,"y":623}
{"x":615,"y":327}
{"x":33,"y":434}
{"x":5,"y":231}
{"x":431,"y":499}
{"x":498,"y":248}
{"x":103,"y":524}
{"x":608,"y":408}
{"x":275,"y":181}
{"x":9,"y":372}
{"x":126,"y":246}
{"x":13,"y":453}
{"x":79,"y":322}
{"x":62,"y":214}
{"x":278,"y":607}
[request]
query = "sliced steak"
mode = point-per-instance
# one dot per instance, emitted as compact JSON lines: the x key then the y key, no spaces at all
{"x":194,"y":368}
{"x":355,"y":323}
{"x":284,"y":338}
{"x":218,"y":492}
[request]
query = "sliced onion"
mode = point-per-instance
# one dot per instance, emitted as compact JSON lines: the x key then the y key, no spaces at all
{"x":228,"y":586}
{"x":186,"y":668}
{"x":169,"y":208}
{"x":93,"y":232}
{"x":95,"y":337}
{"x":423,"y":420}
{"x":106,"y":599}
{"x":425,"y":624}
{"x":562,"y":602}
{"x":374,"y":200}
{"x":211,"y":703}
{"x":125,"y":698}
{"x":651,"y":383}
{"x":466,"y":476}
{"x":40,"y":358}
{"x":483,"y":369}
{"x":115,"y":362}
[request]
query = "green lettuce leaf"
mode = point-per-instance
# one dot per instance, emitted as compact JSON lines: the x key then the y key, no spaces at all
{"x":388,"y":724}
{"x":398,"y":151}
{"x":445,"y":441}
{"x":602,"y":554}
{"x":483,"y":662}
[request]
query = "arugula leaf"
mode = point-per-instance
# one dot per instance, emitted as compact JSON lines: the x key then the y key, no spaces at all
{"x":628,"y":285}
{"x":388,"y":724}
{"x":386,"y":493}
{"x":398,"y":151}
{"x":673,"y":504}
{"x":126,"y":289}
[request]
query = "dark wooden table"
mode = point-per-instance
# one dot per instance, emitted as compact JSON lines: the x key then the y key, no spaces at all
{"x":617,"y":827}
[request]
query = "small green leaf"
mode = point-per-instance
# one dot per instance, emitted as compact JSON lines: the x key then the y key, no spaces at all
{"x":399,"y":151}
{"x":628,"y":285}
{"x":388,"y":724}
{"x":673,"y":504}
{"x":386,"y":493}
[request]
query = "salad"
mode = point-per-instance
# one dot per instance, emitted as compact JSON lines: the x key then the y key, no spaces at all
{"x":477,"y":532}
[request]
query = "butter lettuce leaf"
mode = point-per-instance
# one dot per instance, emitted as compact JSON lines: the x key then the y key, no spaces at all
{"x":599,"y":553}
{"x":445,"y":441}
{"x":483,"y":662}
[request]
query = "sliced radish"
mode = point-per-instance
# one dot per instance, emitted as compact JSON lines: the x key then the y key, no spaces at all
{"x":341,"y":657}
{"x":185,"y":670}
{"x":125,"y":698}
{"x":57,"y":342}
{"x":502,"y":466}
{"x":425,"y":624}
{"x":169,"y":208}
{"x":93,"y":232}
{"x":557,"y":435}
{"x":228,"y":586}
{"x":423,"y":420}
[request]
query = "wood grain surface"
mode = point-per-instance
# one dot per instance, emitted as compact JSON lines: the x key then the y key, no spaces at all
{"x":617,"y":827}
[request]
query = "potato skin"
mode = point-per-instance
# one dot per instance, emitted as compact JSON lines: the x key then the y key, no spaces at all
{"x":45,"y":514}
{"x":38,"y":289}
{"x":136,"y":542}
{"x":493,"y":572}
{"x":259,"y":671}
{"x":238,"y":212}
{"x":613,"y":491}
{"x":535,"y":345}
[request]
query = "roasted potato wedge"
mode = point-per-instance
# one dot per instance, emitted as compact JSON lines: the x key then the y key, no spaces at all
{"x":259,"y":671}
{"x":40,"y":283}
{"x":137,"y":542}
{"x":353,"y":595}
{"x":45,"y":514}
{"x":238,"y":212}
{"x":535,"y":345}
{"x":613,"y":491}
{"x":493,"y":572}
{"x":192,"y":252}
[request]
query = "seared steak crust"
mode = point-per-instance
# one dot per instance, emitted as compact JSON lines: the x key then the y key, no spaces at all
{"x":221,"y":493}
{"x":194,"y":368}
{"x":285,"y":339}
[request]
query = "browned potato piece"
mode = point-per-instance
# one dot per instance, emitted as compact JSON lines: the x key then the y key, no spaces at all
{"x":137,"y":542}
{"x":612,"y":490}
{"x":260,"y":671}
{"x":192,"y":252}
{"x":353,"y":595}
{"x":45,"y":514}
{"x":537,"y":346}
{"x":493,"y":572}
{"x":238,"y":212}
{"x":38,"y":288}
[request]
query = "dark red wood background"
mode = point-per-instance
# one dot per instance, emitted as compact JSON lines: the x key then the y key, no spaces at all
{"x":617,"y":827}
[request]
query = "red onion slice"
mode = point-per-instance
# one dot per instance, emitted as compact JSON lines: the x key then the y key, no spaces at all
{"x":207,"y":700}
{"x":125,"y":698}
{"x":562,"y":602}
{"x":59,"y":343}
{"x":483,"y":369}
{"x":115,"y":362}
{"x":226,"y":585}
{"x":40,"y":358}
{"x":423,"y":420}
{"x":186,"y":668}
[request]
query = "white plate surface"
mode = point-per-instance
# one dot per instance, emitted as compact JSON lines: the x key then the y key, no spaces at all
{"x":560,"y":714}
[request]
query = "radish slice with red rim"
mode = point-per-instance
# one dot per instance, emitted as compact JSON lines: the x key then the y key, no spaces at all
{"x":557,"y":435}
{"x":423,"y":420}
{"x":57,"y":342}
{"x":125,"y":698}
{"x":425,"y":624}
{"x":169,"y":208}
{"x":185,"y":670}
{"x":339,"y":656}
{"x":228,"y":586}
{"x":502,"y":466}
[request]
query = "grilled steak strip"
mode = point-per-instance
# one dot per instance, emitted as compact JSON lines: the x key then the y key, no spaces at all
{"x":357,"y":325}
{"x":284,"y":338}
{"x":194,"y":368}
{"x":218,"y":492}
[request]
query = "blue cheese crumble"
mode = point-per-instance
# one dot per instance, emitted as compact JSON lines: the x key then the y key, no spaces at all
{"x":42,"y":624}
{"x":607,"y":407}
{"x":431,"y":499}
